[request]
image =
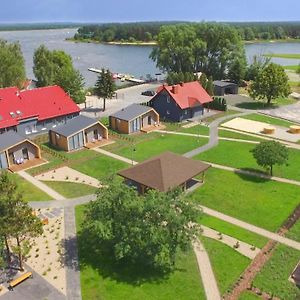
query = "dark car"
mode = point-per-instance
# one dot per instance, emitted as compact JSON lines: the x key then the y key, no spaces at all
{"x":148,"y":93}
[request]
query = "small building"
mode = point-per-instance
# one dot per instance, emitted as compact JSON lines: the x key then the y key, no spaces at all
{"x":36,"y":111}
{"x":78,"y":133}
{"x":16,"y":150}
{"x":164,"y":173}
{"x":134,"y":118}
{"x":296,"y":275}
{"x":180,"y":102}
{"x":222,"y":88}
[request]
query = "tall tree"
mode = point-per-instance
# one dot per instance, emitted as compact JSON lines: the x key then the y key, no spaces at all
{"x":270,"y":83}
{"x":237,"y":69}
{"x":208,"y":48}
{"x":270,"y":153}
{"x":12,"y":67}
{"x":16,"y":219}
{"x":105,"y":86}
{"x":56,"y":68}
{"x":146,"y":231}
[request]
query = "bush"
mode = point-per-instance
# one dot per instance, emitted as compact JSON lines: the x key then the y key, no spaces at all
{"x":218,"y":103}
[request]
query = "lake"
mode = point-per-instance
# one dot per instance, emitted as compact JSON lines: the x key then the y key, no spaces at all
{"x":121,"y":59}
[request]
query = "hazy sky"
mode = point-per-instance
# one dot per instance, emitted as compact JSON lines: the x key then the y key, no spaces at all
{"x":144,"y":10}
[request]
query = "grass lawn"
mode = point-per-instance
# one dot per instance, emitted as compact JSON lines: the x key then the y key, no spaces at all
{"x":237,"y":135}
{"x":294,"y":232}
{"x":238,"y":155}
{"x":198,"y":129}
{"x":220,"y":115}
{"x":283,"y":55}
{"x":28,"y":190}
{"x":292,"y":68}
{"x":248,"y":296}
{"x":273,"y":278}
{"x":227,"y":263}
{"x":269,"y":120}
{"x":159,"y":143}
{"x":264,"y":203}
{"x":71,"y":189}
{"x":234,"y":231}
{"x":101,"y":279}
{"x":255,"y":104}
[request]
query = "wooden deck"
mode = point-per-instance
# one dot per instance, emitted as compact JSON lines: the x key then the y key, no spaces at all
{"x":99,"y":143}
{"x":27,"y":165}
{"x":152,"y":128}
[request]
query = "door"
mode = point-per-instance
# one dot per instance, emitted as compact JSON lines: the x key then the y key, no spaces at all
{"x":25,"y":153}
{"x":96,"y":134}
{"x":149,"y":120}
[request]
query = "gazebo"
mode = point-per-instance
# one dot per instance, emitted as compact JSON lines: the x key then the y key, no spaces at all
{"x":164,"y":173}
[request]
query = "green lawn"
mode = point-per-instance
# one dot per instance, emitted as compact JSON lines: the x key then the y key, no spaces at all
{"x":234,"y":231}
{"x":159,"y":143}
{"x":101,"y":279}
{"x":198,"y":129}
{"x":293,"y":67}
{"x":28,"y":190}
{"x":238,"y":135}
{"x":262,"y":104}
{"x":227,"y":263}
{"x":273,"y":278}
{"x":70,"y":189}
{"x":269,"y":120}
{"x":264,"y":203}
{"x":238,"y":155}
{"x":220,"y":115}
{"x":284,"y":55}
{"x":294,"y":232}
{"x":248,"y":296}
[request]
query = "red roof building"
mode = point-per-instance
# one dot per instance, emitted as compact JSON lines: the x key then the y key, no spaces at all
{"x":181,"y":101}
{"x":30,"y":111}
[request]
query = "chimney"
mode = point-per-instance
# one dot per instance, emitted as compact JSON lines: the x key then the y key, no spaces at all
{"x":175,"y":89}
{"x":181,"y":83}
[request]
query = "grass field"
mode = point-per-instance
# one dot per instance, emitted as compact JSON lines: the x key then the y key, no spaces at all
{"x":273,"y":278}
{"x":102,"y":279}
{"x":70,"y":189}
{"x":284,"y":55}
{"x":232,"y":230}
{"x":227,"y":263}
{"x":262,"y":104}
{"x":238,"y":155}
{"x":269,"y":120}
{"x":238,"y":135}
{"x":294,"y":232}
{"x":248,"y":296}
{"x":157,"y":144}
{"x":238,"y":196}
{"x":28,"y":190}
{"x":292,"y":67}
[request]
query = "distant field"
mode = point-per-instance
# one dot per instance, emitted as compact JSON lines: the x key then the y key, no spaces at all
{"x":292,"y":68}
{"x":283,"y":55}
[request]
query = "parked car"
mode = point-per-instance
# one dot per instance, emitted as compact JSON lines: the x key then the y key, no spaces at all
{"x":148,"y":93}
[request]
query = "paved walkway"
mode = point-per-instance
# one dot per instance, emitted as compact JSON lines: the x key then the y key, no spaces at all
{"x":256,"y":174}
{"x":41,"y":186}
{"x":252,"y":228}
{"x":115,"y":156}
{"x":208,"y":278}
{"x":71,"y":258}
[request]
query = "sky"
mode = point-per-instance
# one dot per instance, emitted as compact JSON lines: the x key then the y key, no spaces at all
{"x":27,"y":11}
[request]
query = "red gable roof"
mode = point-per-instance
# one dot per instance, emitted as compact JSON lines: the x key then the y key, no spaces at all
{"x":188,"y":94}
{"x":42,"y":103}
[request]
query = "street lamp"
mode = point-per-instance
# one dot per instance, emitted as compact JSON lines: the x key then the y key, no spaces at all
{"x":133,"y":151}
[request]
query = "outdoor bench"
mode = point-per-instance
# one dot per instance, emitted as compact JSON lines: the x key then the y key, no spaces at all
{"x":19,"y":279}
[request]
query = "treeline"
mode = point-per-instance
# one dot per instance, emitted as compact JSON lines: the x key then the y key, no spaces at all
{"x":148,"y":31}
{"x":37,"y":26}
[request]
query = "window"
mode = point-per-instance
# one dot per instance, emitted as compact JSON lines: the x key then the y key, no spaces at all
{"x":33,"y":128}
{"x":185,"y":111}
{"x":27,"y":130}
{"x":168,"y":112}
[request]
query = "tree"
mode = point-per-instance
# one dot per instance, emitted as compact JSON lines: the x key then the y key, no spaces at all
{"x":105,"y":86}
{"x":271,"y":83}
{"x":210,"y":86}
{"x":12,"y":67}
{"x":237,"y":69}
{"x":145,"y":231}
{"x":16,"y":219}
{"x":270,"y":153}
{"x":175,"y":78}
{"x":207,"y":48}
{"x":56,"y":68}
{"x":259,"y":62}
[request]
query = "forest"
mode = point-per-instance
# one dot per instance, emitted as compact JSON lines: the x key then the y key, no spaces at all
{"x":148,"y":31}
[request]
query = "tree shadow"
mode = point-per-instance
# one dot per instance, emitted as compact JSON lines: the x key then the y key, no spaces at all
{"x":255,"y":105}
{"x":253,"y":178}
{"x":94,"y":255}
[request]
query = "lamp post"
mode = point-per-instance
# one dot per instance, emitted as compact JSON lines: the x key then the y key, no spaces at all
{"x":133,"y":150}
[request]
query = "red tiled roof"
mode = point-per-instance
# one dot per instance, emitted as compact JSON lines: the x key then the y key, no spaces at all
{"x":189,"y":94}
{"x":43,"y":103}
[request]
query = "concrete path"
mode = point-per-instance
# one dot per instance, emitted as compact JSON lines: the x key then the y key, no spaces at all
{"x":263,"y":232}
{"x":115,"y":156}
{"x":244,"y":248}
{"x":71,"y":257}
{"x":41,"y":186}
{"x":255,"y":174}
{"x":208,"y":278}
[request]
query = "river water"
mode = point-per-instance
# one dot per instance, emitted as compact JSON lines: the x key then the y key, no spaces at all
{"x":121,"y":59}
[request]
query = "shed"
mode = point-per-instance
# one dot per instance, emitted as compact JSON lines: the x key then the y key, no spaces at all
{"x":164,"y":172}
{"x":78,"y":133}
{"x":224,"y":87}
